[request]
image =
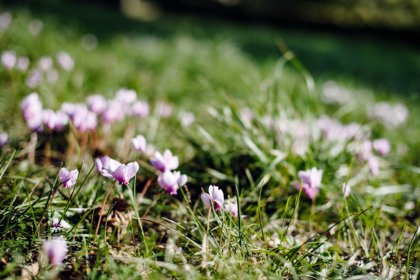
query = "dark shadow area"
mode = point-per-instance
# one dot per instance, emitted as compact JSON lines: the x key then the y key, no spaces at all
{"x":388,"y":61}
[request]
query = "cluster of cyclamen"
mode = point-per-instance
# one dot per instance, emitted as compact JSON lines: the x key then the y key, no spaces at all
{"x":311,"y":178}
{"x":44,"y":67}
{"x":169,"y":181}
{"x":215,"y":198}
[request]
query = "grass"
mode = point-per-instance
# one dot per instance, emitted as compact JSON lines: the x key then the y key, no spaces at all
{"x":371,"y":233}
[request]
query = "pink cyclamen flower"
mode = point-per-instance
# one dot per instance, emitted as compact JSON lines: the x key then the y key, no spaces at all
{"x":311,"y":180}
{"x":63,"y":224}
{"x":8,"y":59}
{"x":382,"y":146}
{"x":35,"y":27}
{"x":68,"y":178}
{"x":96,"y":103}
{"x":232,"y":208}
{"x":65,"y":61}
{"x":187,"y":118}
{"x":166,"y":162}
{"x":121,"y":172}
{"x":214,"y":196}
{"x":364,"y":150}
{"x":91,"y":121}
{"x":140,"y":109}
{"x":4,"y":138}
{"x":45,"y":63}
{"x":32,"y":111}
{"x":126,"y":96}
{"x":139,"y":143}
{"x":5,"y":20}
{"x":102,"y":162}
{"x":34,"y":78}
{"x":48,"y":118}
{"x":82,"y":119}
{"x":171,"y":181}
{"x":165,"y":110}
{"x":114,"y":112}
{"x":22,"y":64}
{"x":373,"y":165}
{"x":61,"y":119}
{"x":346,"y":189}
{"x":56,"y":250}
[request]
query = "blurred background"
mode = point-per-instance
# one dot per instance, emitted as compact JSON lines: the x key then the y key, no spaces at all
{"x":368,"y":42}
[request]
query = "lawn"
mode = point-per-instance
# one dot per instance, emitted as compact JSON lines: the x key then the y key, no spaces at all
{"x":313,"y":135}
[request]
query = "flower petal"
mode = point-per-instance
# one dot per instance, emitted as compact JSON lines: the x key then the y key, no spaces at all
{"x":182,"y":180}
{"x":132,"y":169}
{"x":113,"y":165}
{"x":205,"y":197}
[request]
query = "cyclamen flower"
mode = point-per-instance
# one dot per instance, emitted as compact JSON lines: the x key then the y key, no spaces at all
{"x":56,"y":250}
{"x":187,"y":118}
{"x":32,"y":111}
{"x":139,"y":143}
{"x":364,"y":150}
{"x":311,"y":180}
{"x":373,"y":165}
{"x":382,"y":146}
{"x":82,"y":119}
{"x":171,"y":181}
{"x":165,"y":110}
{"x":232,"y":208}
{"x":4,"y":138}
{"x":121,"y":172}
{"x":48,"y":117}
{"x":215,"y":197}
{"x":140,"y":109}
{"x":68,"y":178}
{"x":22,"y":64}
{"x":35,"y":27}
{"x":346,"y":189}
{"x":102,"y":162}
{"x":63,"y":224}
{"x":34,"y":78}
{"x":5,"y":19}
{"x":126,"y":96}
{"x":45,"y":63}
{"x":61,"y":119}
{"x":65,"y":61}
{"x":166,"y":162}
{"x":96,"y":103}
{"x":8,"y":59}
{"x":114,"y":112}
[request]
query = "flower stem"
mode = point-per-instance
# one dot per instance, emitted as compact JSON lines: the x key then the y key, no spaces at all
{"x":49,"y":204}
{"x":146,"y":186}
{"x":31,"y":153}
{"x":47,"y":160}
{"x":100,"y":215}
{"x":312,"y":212}
{"x":208,"y":221}
{"x":151,"y":204}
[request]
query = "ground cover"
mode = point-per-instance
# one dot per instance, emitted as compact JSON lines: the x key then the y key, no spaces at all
{"x":325,"y":173}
